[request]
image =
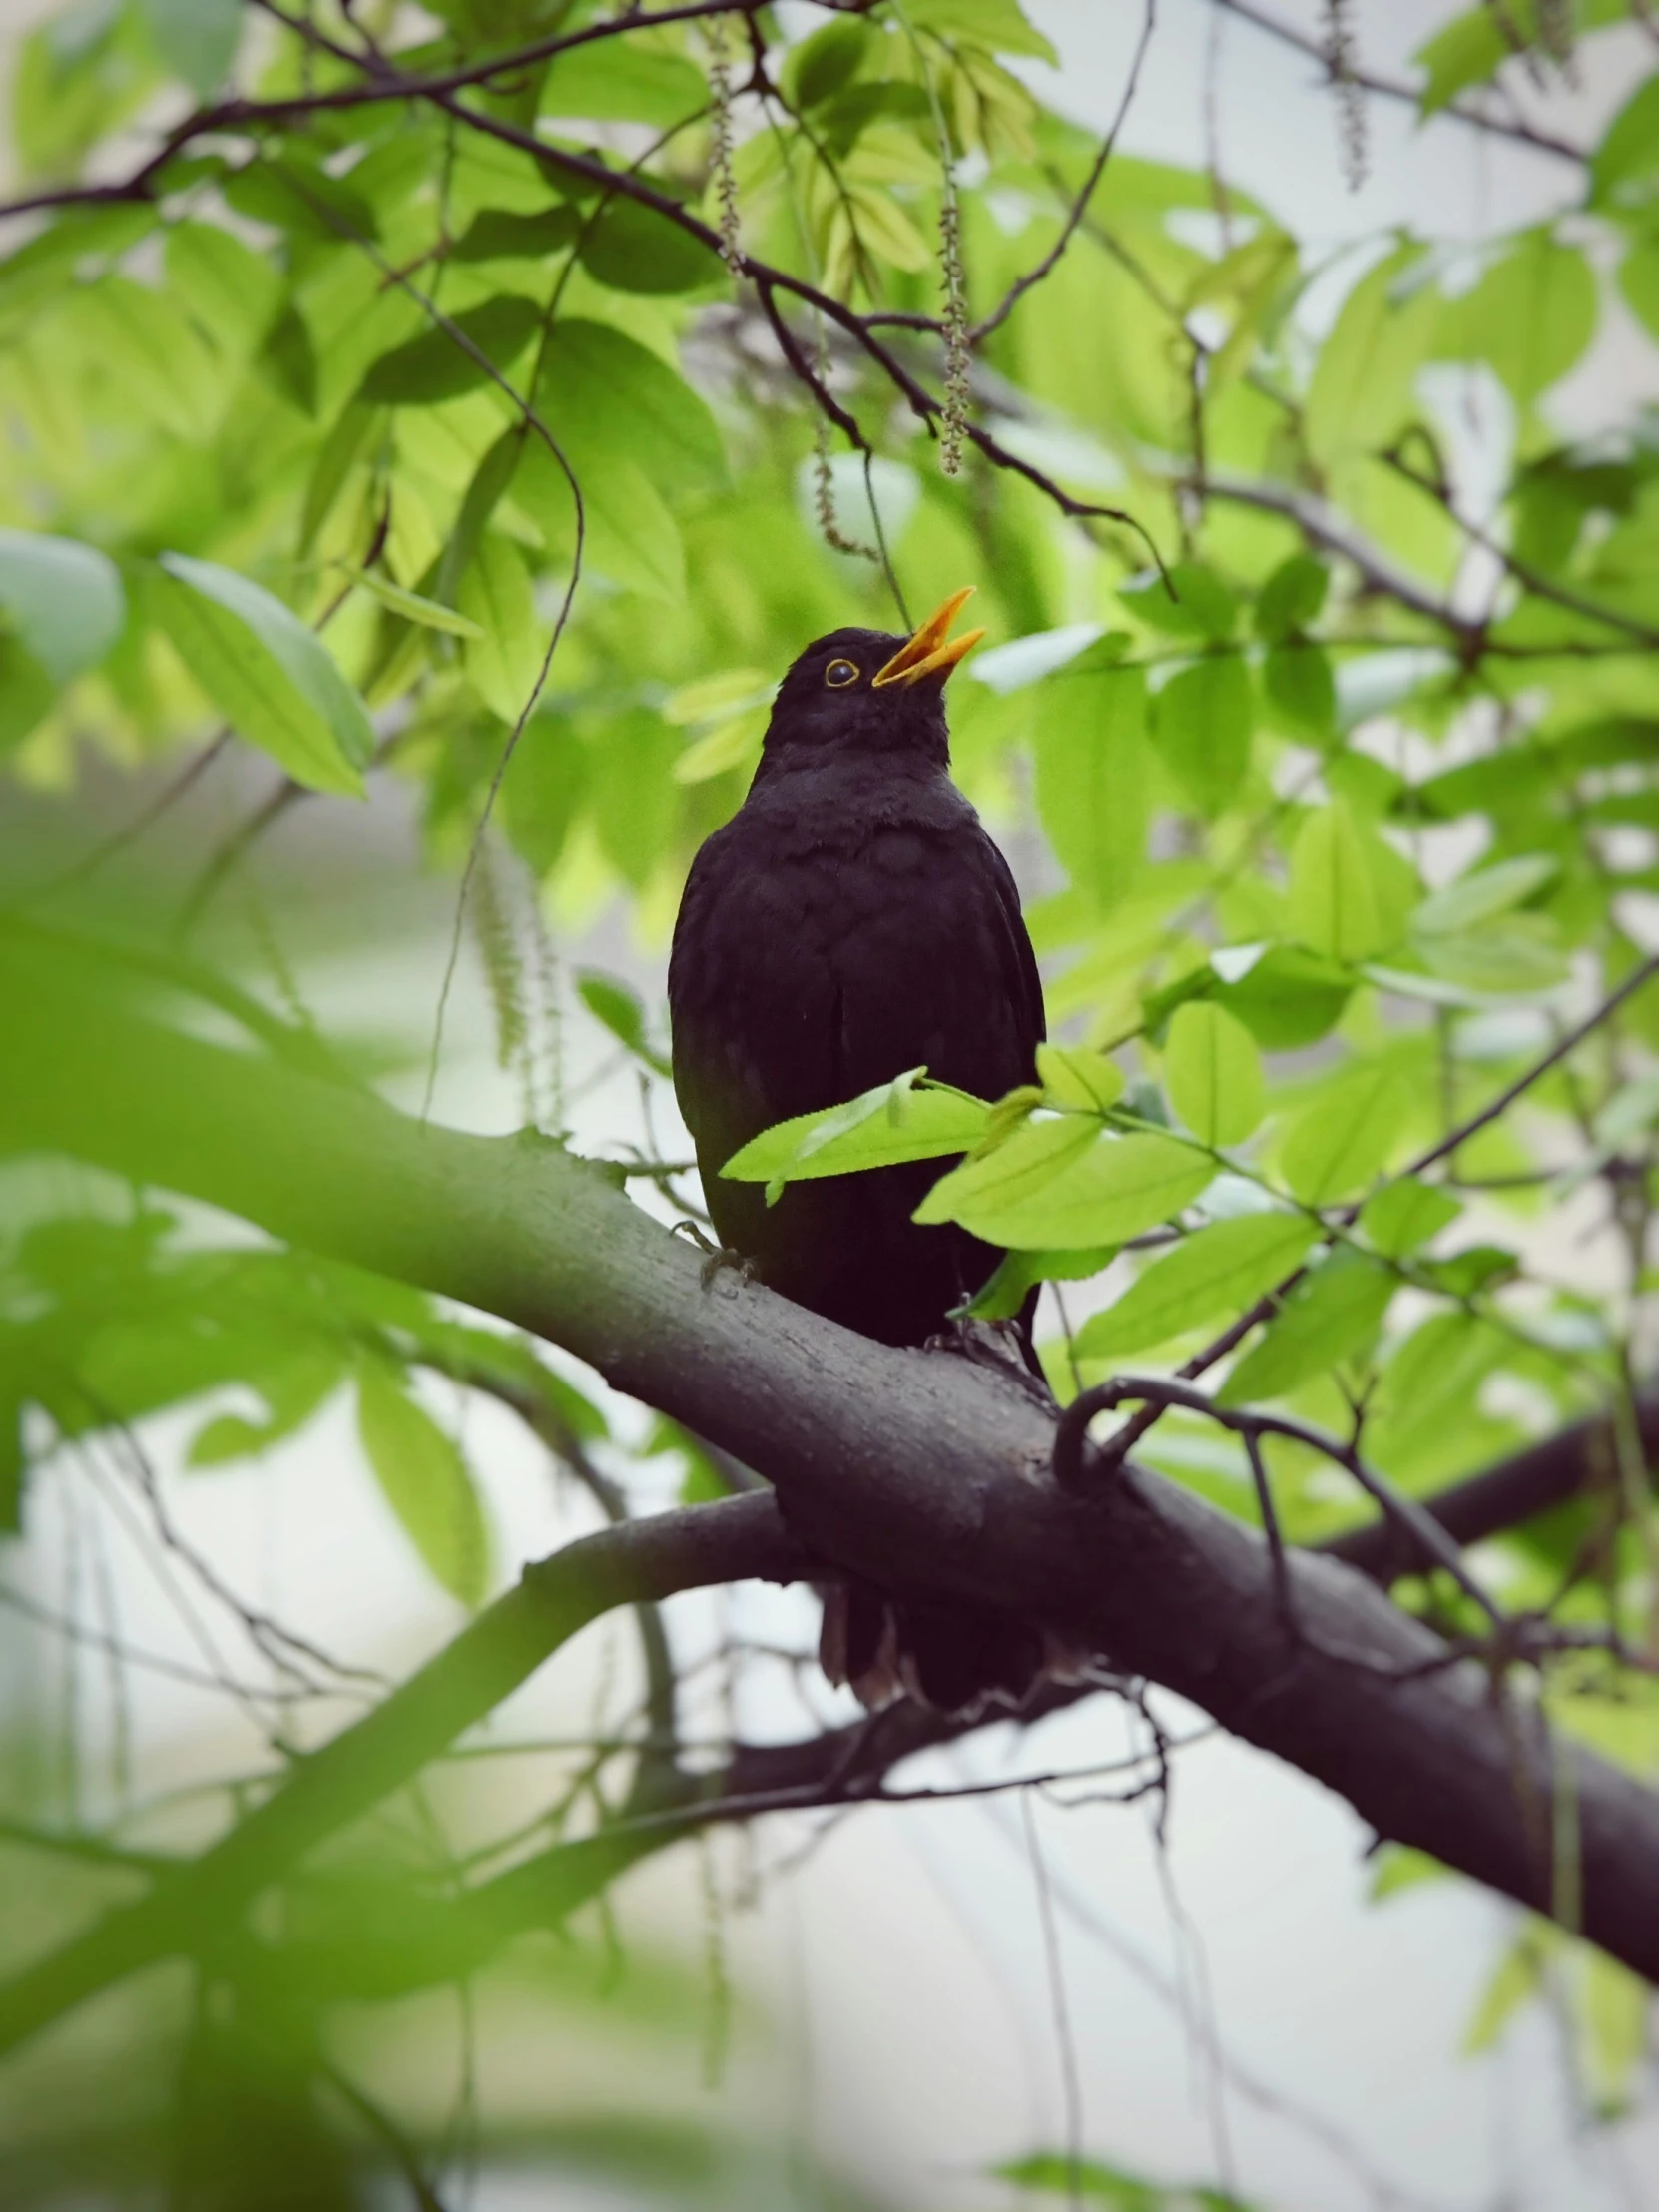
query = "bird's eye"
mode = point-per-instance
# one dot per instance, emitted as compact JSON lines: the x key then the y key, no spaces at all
{"x":840,"y":674}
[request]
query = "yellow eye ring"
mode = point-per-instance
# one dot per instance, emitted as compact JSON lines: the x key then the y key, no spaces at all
{"x":841,"y":673}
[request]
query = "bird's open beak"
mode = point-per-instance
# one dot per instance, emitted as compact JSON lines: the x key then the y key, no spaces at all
{"x":932,"y":651}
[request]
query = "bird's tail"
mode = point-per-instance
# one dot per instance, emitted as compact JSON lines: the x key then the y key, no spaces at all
{"x":956,"y":1659}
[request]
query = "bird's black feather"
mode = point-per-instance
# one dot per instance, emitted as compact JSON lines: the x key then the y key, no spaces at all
{"x":853,"y":920}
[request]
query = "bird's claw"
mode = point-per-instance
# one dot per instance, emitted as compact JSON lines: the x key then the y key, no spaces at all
{"x":715,"y":1258}
{"x":997,"y":1345}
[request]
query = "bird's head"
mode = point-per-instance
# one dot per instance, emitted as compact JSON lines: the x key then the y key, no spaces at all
{"x":870,"y":690}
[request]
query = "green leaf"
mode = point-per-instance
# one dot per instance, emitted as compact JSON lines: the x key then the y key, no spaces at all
{"x":1639,"y":282}
{"x":1203,"y":723}
{"x":503,"y":659}
{"x":1333,"y":1313}
{"x":63,"y":601}
{"x":1213,"y":1074}
{"x":1298,"y":679}
{"x":228,"y":288}
{"x":271,"y":677}
{"x":425,"y":1482}
{"x":292,"y":192}
{"x":622,"y":1011}
{"x":619,"y":81}
{"x":906,"y":1119}
{"x":1362,"y":387}
{"x":427,"y":613}
{"x":631,"y":535}
{"x":197,"y":39}
{"x":1484,"y":892}
{"x":1064,"y":1183}
{"x":1515,"y":1980}
{"x":1292,"y":597}
{"x":998,"y":25}
{"x":500,"y":234}
{"x":1405,"y":1215}
{"x":823,"y":64}
{"x":437,"y":366}
{"x":1515,"y":952}
{"x":1019,"y":1273}
{"x":1288,"y":998}
{"x":1092,"y":769}
{"x":633,"y":249}
{"x":1217,"y":1271}
{"x":1624,"y":171}
{"x":27,"y":693}
{"x":1336,"y":1146}
{"x":1531,"y":316}
{"x":1340,"y":894}
{"x":1193,"y":603}
{"x":288,"y":360}
{"x":604,"y":395}
{"x":1078,"y":1081}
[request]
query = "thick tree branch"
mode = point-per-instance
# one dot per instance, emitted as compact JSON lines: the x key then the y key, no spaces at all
{"x":922,"y":1472}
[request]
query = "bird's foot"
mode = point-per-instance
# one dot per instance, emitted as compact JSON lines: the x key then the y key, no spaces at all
{"x":999,"y":1344}
{"x":717,"y":1258}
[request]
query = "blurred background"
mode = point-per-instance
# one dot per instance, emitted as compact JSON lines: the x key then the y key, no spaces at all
{"x":877,"y":2009}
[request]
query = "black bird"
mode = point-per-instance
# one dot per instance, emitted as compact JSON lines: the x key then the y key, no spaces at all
{"x":853,"y":920}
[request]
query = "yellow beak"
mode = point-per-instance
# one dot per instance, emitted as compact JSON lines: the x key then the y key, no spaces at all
{"x":931,"y":650}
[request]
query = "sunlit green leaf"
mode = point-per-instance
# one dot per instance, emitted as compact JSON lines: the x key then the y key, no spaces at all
{"x":1406,"y":1214}
{"x":1092,"y":768}
{"x":1215,"y":1271}
{"x":1335,"y":1147}
{"x":1214,"y":1074}
{"x":442,"y":363}
{"x":1203,"y":720}
{"x":1333,"y":1313}
{"x":902,"y":1120}
{"x":1062,"y":1183}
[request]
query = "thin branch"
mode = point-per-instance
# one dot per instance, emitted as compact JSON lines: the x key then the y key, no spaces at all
{"x":1080,"y":205}
{"x":1393,"y":88}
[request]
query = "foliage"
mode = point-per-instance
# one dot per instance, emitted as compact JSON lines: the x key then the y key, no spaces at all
{"x":493,"y":406}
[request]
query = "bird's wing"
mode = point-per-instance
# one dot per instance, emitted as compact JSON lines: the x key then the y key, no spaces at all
{"x":934,"y":964}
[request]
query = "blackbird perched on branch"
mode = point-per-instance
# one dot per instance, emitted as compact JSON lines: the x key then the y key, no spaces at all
{"x":851,"y":921}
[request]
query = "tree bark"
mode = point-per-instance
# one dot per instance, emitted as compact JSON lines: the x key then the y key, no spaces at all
{"x":918,"y":1471}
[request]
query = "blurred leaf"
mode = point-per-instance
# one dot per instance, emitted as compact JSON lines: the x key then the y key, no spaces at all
{"x":1214,"y":1074}
{"x":442,"y":363}
{"x":1405,"y":1215}
{"x":197,"y":39}
{"x":1335,"y":1146}
{"x":63,"y":601}
{"x":427,"y":613}
{"x":620,"y":81}
{"x":503,"y":656}
{"x":621,"y":1012}
{"x":269,"y":675}
{"x":1092,"y":768}
{"x":1292,"y":597}
{"x":425,"y":1481}
{"x":1531,"y":316}
{"x":1215,"y":1272}
{"x":1203,"y":720}
{"x":1339,"y":890}
{"x":998,"y":25}
{"x":1362,"y":387}
{"x":633,"y":249}
{"x":1192,"y":603}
